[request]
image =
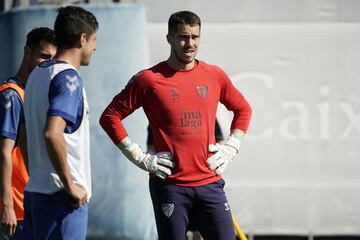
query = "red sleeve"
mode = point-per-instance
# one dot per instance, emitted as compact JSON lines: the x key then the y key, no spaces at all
{"x":234,"y":101}
{"x":127,"y":101}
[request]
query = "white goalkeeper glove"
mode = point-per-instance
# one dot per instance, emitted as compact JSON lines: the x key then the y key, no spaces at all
{"x":223,"y":154}
{"x":158,"y":163}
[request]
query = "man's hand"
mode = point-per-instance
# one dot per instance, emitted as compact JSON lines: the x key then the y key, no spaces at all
{"x":159,"y":163}
{"x":223,"y":154}
{"x":8,"y":221}
{"x":56,"y":148}
{"x":78,"y":193}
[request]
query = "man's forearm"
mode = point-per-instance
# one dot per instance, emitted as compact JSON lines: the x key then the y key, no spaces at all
{"x":238,"y":133}
{"x":5,"y":179}
{"x":56,"y":148}
{"x":111,"y":122}
{"x":124,"y":143}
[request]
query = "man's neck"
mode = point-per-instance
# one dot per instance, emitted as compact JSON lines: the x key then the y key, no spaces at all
{"x":22,"y":74}
{"x":179,"y":66}
{"x":70,"y":56}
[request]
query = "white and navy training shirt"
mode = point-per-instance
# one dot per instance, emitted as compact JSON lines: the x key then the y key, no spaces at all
{"x":55,"y":88}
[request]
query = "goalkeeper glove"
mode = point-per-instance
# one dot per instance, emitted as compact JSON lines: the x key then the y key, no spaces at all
{"x":159,"y":163}
{"x":223,"y":154}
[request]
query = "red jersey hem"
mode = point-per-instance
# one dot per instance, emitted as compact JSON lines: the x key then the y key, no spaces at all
{"x":188,"y":183}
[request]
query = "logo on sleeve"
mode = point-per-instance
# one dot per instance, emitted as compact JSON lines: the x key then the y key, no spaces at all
{"x":227,"y":206}
{"x":202,"y":90}
{"x":168,"y":208}
{"x":72,"y":83}
{"x":7,"y":99}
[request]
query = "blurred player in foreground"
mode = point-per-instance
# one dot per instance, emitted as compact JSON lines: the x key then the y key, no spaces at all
{"x":57,"y":124}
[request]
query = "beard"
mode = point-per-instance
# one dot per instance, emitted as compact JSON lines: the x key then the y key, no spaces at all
{"x":85,"y":58}
{"x":85,"y":62}
{"x":182,"y":59}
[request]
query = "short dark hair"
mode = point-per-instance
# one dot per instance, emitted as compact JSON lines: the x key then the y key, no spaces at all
{"x":70,"y":23}
{"x":36,"y":35}
{"x":182,"y":18}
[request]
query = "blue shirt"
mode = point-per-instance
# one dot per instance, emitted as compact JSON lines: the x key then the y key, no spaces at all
{"x":11,"y":112}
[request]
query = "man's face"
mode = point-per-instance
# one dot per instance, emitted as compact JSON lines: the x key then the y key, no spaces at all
{"x":46,"y":51}
{"x":88,"y":48}
{"x":184,"y":43}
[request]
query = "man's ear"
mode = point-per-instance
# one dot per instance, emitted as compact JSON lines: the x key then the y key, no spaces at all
{"x":27,"y":52}
{"x":83,"y":39}
{"x":169,"y":38}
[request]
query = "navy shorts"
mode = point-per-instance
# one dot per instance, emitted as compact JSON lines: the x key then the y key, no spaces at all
{"x":52,"y":217}
{"x":205,"y":207}
{"x":19,"y":231}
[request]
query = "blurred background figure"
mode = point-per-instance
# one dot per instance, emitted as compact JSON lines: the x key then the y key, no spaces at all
{"x":40,"y":46}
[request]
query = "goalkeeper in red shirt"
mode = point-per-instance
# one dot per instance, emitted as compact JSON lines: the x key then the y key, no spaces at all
{"x":180,"y":97}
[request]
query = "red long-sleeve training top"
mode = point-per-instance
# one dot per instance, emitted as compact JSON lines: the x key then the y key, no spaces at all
{"x":181,"y":108}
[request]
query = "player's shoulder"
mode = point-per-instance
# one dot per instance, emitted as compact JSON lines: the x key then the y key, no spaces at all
{"x":56,"y":67}
{"x":9,"y":97}
{"x":142,"y":75}
{"x":149,"y":75}
{"x":8,"y":83}
{"x":139,"y":78}
{"x":66,"y":81}
{"x":210,"y":67}
{"x":213,"y":70}
{"x":9,"y":92}
{"x":156,"y":71}
{"x":56,"y":64}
